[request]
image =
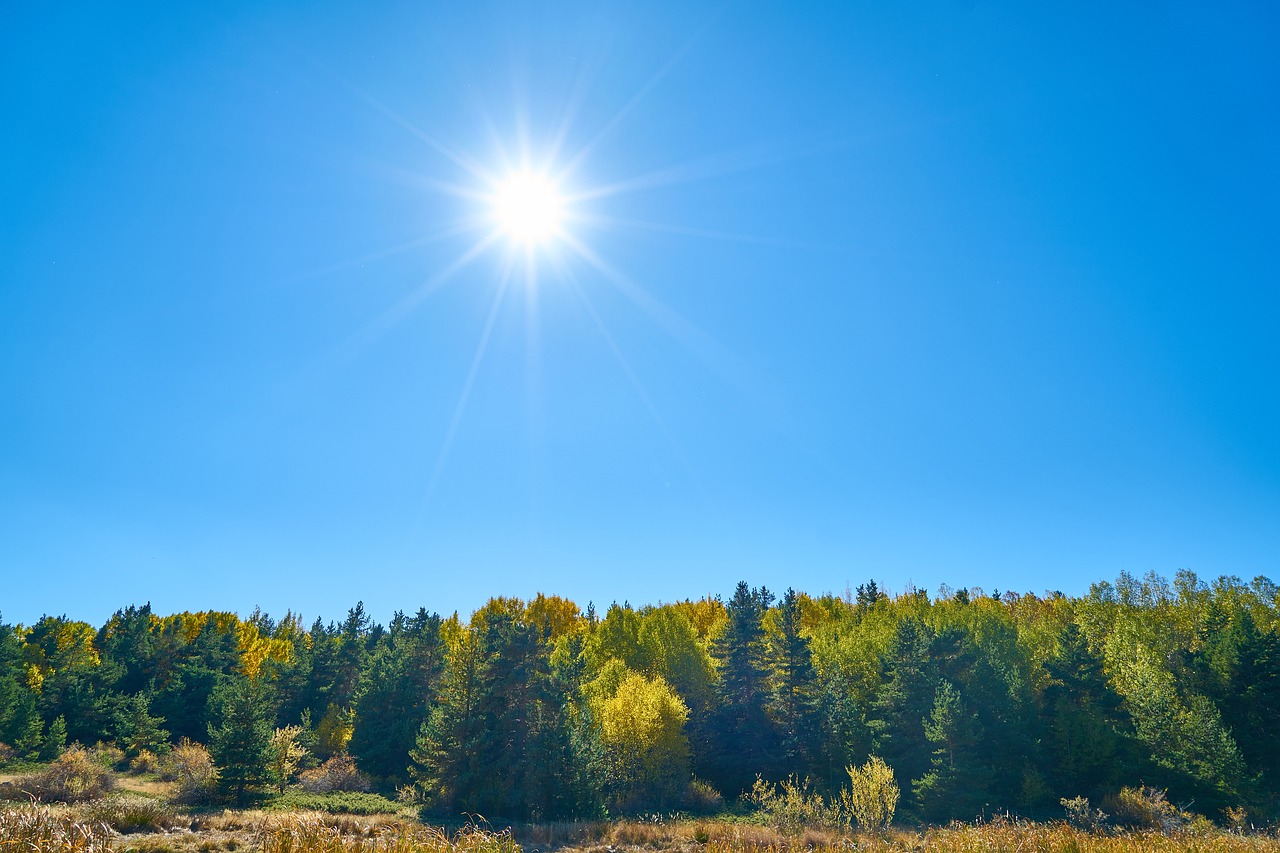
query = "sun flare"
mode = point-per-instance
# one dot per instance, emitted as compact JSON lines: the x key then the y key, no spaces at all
{"x":529,"y":208}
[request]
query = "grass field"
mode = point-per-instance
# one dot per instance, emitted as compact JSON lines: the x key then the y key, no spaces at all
{"x":57,"y":829}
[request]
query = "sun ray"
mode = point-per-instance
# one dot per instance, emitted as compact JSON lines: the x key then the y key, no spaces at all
{"x":637,"y":386}
{"x":469,"y":383}
{"x":458,"y":159}
{"x":713,"y":354}
{"x":583,"y":153}
{"x":701,"y":233}
{"x":377,"y":255}
{"x":372,"y":331}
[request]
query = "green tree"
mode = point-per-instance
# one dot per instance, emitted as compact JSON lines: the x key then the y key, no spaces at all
{"x":740,"y":740}
{"x":955,"y":782}
{"x":240,"y":736}
{"x":137,"y":729}
{"x":396,"y":695}
{"x":792,"y":700}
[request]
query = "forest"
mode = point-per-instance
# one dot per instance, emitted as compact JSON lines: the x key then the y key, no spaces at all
{"x":538,"y":710}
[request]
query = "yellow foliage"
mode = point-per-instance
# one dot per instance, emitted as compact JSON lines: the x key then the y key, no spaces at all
{"x":59,"y":642}
{"x":35,"y":678}
{"x":334,"y":731}
{"x":559,"y":614}
{"x":499,"y":605}
{"x":707,"y":615}
{"x":256,"y":649}
{"x":642,"y":729}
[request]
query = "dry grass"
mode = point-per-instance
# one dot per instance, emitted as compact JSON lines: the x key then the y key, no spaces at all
{"x":310,"y":835}
{"x":40,"y":829}
{"x":61,"y":828}
{"x":711,"y":836}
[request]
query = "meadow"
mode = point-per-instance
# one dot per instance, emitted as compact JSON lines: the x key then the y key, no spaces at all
{"x":56,"y":829}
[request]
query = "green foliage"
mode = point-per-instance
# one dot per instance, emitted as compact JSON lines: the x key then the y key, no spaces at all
{"x":979,"y":702}
{"x":334,"y":802}
{"x":396,"y":696}
{"x":137,"y":729}
{"x":240,"y":736}
{"x":740,"y":739}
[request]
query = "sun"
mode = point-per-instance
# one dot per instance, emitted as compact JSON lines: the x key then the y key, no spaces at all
{"x":528,"y":208}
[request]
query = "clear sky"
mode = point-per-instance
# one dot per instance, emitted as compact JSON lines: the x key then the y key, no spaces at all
{"x":961,"y":292}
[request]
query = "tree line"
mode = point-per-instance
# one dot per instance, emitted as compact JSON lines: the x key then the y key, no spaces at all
{"x":539,"y":709}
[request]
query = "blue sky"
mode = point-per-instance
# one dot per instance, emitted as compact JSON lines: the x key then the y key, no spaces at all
{"x":961,"y":292}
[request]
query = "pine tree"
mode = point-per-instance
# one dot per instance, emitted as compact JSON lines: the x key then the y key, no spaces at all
{"x":792,"y":702}
{"x":137,"y":729}
{"x":956,"y":781}
{"x":905,"y":700}
{"x":240,"y":735}
{"x":740,"y":741}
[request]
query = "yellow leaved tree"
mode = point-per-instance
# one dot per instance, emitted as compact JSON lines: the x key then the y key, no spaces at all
{"x":646,"y":751}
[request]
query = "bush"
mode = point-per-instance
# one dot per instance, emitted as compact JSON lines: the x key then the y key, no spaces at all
{"x":872,"y":795}
{"x":701,"y":798}
{"x":1146,"y":808}
{"x":337,"y":774}
{"x":190,"y":765}
{"x":7,"y":753}
{"x":335,"y":802}
{"x":108,"y":755}
{"x":146,"y":761}
{"x":73,"y":777}
{"x":791,"y":807}
{"x":1081,"y":816}
{"x":132,"y":813}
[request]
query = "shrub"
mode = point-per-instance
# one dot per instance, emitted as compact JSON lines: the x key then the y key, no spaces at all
{"x":1147,"y":808}
{"x":146,"y":761}
{"x":108,"y":755}
{"x":7,"y":753}
{"x":791,"y":806}
{"x":190,"y":765}
{"x":132,"y":813}
{"x":73,"y":777}
{"x":872,"y":795}
{"x":1237,"y":818}
{"x":335,"y":802}
{"x":337,"y":774}
{"x":1080,"y":815}
{"x":701,"y":798}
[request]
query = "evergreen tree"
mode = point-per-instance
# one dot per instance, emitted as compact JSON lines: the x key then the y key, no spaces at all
{"x":956,"y":781}
{"x":137,"y":729}
{"x":792,"y":701}
{"x":740,"y":741}
{"x":906,"y":700}
{"x":240,"y":735}
{"x":396,"y":696}
{"x":1087,"y":735}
